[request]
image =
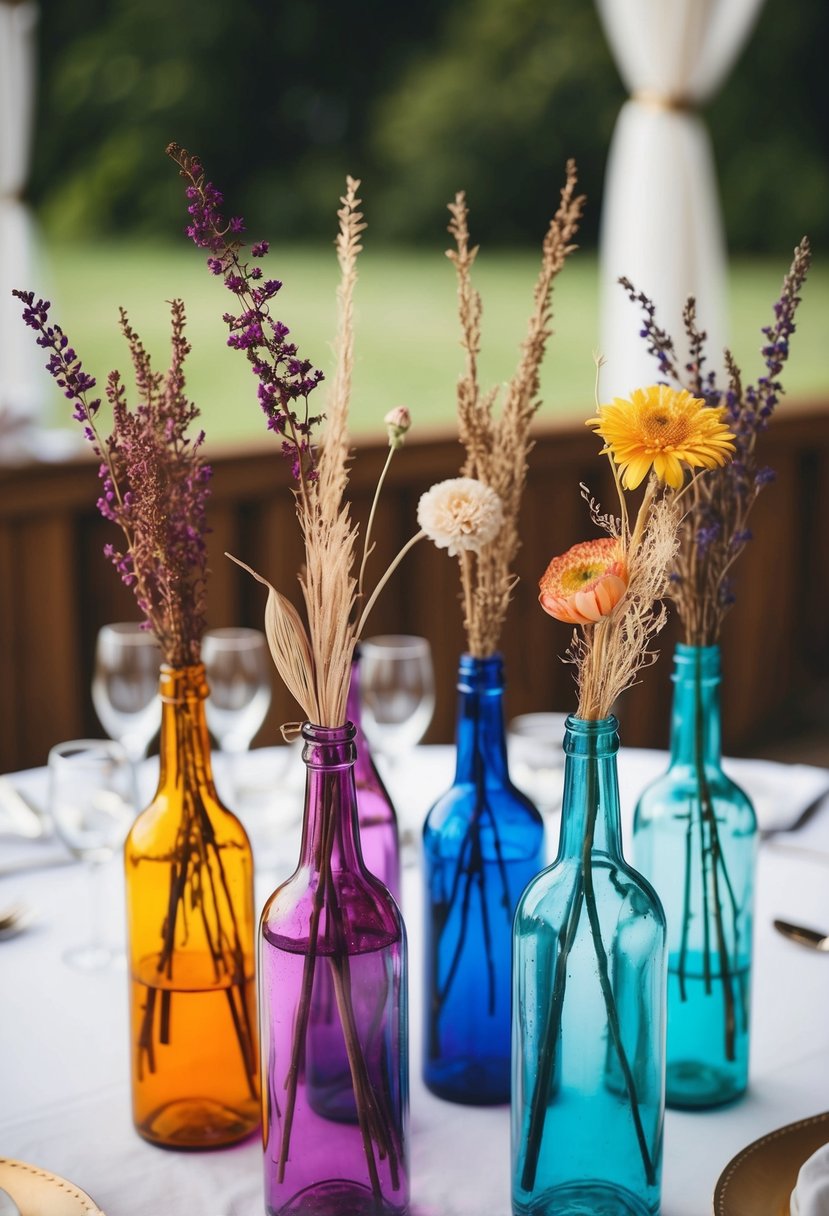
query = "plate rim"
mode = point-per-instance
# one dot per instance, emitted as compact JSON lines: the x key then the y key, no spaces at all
{"x":749,"y":1150}
{"x":91,"y":1207}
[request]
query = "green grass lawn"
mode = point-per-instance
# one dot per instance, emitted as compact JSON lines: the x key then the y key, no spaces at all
{"x":407,"y":341}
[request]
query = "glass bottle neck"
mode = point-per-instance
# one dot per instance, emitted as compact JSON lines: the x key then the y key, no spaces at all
{"x":184,"y":744}
{"x":695,"y":722}
{"x":590,"y":809}
{"x":329,"y":827}
{"x":481,"y":748}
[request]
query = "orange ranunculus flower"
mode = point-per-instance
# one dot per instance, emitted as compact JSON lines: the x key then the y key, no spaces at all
{"x":585,"y":583}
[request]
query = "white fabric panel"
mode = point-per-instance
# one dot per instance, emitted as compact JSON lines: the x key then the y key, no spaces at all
{"x":661,"y":225}
{"x":22,"y":388}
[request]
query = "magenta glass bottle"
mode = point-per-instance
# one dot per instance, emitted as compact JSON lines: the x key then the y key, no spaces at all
{"x":333,"y":1013}
{"x":379,"y":838}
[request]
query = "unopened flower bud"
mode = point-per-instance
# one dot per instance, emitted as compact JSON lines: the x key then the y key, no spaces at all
{"x":398,"y":421}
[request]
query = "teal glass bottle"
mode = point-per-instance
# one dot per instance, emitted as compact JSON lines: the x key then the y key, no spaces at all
{"x":483,"y":841}
{"x":695,"y":836}
{"x":588,"y":1009}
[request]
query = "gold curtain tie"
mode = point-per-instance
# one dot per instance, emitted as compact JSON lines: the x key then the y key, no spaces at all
{"x":677,"y":102}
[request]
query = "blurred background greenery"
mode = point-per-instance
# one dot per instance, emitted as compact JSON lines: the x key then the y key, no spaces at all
{"x":281,"y":101}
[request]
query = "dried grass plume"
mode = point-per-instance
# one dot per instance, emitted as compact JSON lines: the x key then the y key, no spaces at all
{"x":498,"y":443}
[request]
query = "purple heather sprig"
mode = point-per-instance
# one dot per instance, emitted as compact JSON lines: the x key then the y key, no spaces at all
{"x":284,"y":377}
{"x":715,"y":531}
{"x":154,"y":482}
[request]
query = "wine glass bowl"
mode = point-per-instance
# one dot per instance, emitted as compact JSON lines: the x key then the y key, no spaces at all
{"x":536,"y":757}
{"x":397,"y":686}
{"x":125,"y":685}
{"x":238,"y":670}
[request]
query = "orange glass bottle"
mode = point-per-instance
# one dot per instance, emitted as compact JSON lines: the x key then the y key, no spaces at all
{"x":190,"y":921}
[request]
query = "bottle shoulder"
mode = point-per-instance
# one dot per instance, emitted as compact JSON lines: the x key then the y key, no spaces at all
{"x":354,"y":909}
{"x":463,"y":802}
{"x":616,"y":884}
{"x":508,"y":829}
{"x":164,"y":814}
{"x":682,"y":786}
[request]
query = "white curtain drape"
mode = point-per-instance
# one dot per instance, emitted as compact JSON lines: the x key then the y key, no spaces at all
{"x":661,"y":225}
{"x":21,"y":375}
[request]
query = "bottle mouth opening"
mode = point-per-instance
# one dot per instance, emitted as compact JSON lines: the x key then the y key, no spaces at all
{"x":312,"y":733}
{"x":591,"y":736}
{"x":329,"y":747}
{"x":481,"y":675}
{"x":690,"y":661}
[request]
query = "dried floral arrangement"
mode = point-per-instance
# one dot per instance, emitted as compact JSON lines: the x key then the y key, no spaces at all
{"x":612,"y":589}
{"x":715,"y":528}
{"x":497,"y":444}
{"x":712,"y":535}
{"x":475,"y":517}
{"x":314,"y":660}
{"x":313,"y":656}
{"x":154,"y":481}
{"x":154,"y":487}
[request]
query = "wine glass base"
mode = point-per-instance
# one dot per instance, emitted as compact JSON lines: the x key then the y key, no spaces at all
{"x":91,"y":958}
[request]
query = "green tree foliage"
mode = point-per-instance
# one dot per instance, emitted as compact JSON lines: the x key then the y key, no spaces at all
{"x":492,"y":96}
{"x":275,"y":97}
{"x":770,"y":128}
{"x":512,"y":91}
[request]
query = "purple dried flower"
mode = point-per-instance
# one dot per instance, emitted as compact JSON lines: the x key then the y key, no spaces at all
{"x":284,"y":379}
{"x":715,"y":528}
{"x":154,"y":482}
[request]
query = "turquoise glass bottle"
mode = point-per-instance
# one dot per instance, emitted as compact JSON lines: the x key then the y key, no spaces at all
{"x":695,"y":836}
{"x":483,"y":841}
{"x":588,"y":1023}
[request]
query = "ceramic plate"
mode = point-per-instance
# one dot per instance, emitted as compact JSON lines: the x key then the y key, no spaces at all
{"x":39,"y":1193}
{"x":760,"y":1179}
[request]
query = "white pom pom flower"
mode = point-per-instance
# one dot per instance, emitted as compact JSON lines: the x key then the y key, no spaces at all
{"x":460,"y":515}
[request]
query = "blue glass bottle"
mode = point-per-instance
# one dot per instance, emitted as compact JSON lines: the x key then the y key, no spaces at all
{"x":483,"y":841}
{"x":695,"y":836}
{"x":588,"y":1031}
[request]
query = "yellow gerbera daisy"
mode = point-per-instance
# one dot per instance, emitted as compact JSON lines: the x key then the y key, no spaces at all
{"x":663,"y":428}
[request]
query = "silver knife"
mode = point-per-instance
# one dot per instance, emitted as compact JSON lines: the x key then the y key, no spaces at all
{"x":803,"y":935}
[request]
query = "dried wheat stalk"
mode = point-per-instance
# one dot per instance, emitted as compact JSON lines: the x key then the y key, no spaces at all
{"x":498,"y":444}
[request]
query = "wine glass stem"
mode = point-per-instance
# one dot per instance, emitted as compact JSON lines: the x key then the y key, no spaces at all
{"x":94,"y":886}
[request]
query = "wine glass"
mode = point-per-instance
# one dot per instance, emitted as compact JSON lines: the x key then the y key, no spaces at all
{"x":536,"y":756}
{"x":125,"y":686}
{"x":397,"y":685}
{"x":91,"y":802}
{"x":238,"y":669}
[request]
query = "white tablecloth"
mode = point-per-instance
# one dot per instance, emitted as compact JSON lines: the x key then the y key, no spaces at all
{"x":64,"y":1088}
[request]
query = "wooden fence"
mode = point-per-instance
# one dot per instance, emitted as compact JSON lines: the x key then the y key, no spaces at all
{"x":56,"y":589}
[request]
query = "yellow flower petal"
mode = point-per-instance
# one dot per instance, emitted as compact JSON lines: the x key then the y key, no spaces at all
{"x":664,"y":429}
